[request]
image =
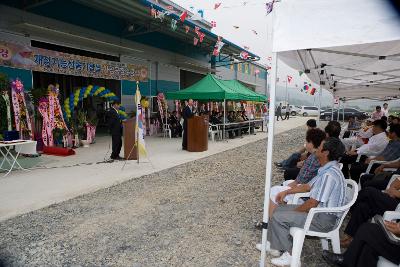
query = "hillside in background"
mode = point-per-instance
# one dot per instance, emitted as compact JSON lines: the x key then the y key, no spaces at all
{"x":296,"y":97}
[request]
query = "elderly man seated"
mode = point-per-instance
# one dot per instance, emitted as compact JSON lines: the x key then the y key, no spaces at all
{"x":391,"y":152}
{"x":307,"y":172}
{"x":327,"y":189}
{"x":374,"y":147}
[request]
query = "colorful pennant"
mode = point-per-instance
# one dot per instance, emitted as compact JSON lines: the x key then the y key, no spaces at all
{"x":201,"y":36}
{"x":183,"y":16}
{"x":195,"y":41}
{"x":244,"y":54}
{"x":217,"y":5}
{"x":289,"y":78}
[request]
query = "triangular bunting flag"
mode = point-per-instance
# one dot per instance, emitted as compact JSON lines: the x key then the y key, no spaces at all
{"x":183,"y":16}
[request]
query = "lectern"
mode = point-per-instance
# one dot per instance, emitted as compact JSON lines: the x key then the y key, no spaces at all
{"x":130,"y":152}
{"x":197,"y":134}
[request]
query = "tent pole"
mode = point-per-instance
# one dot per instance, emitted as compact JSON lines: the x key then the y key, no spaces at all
{"x":223,"y":132}
{"x":343,"y":111}
{"x":268,"y":167}
{"x":319,"y":106}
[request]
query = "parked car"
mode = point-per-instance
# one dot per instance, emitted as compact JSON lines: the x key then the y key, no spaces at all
{"x":348,"y":112}
{"x":309,"y":111}
{"x":294,"y":110}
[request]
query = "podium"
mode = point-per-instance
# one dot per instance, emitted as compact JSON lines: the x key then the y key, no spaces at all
{"x":130,"y":152}
{"x":197,"y":135}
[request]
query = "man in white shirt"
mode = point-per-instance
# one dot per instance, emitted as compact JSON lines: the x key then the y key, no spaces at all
{"x":374,"y":147}
{"x":386,"y":109}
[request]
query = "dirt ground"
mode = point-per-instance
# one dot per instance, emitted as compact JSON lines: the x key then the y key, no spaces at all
{"x":202,"y":213}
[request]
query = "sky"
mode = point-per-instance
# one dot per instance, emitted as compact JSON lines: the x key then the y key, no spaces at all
{"x":250,"y":16}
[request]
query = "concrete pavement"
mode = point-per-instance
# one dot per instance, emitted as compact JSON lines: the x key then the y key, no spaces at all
{"x":57,"y":179}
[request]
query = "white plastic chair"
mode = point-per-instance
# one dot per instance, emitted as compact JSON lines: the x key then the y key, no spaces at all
{"x":212,"y":131}
{"x":167,"y":131}
{"x":299,"y":234}
{"x":389,"y":216}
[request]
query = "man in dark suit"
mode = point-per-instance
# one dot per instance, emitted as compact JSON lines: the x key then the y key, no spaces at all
{"x":115,"y":127}
{"x":187,"y":113}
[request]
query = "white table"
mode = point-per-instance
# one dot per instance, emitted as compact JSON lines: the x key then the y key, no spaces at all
{"x":5,"y":151}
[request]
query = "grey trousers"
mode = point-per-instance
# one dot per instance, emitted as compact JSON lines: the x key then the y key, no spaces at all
{"x":285,"y":217}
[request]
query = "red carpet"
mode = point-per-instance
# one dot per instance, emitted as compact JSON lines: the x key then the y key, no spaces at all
{"x":58,"y":151}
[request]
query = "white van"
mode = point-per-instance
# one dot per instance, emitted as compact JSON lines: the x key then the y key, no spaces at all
{"x":309,"y":111}
{"x":294,"y":110}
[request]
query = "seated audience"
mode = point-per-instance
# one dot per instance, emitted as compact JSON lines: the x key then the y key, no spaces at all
{"x":370,"y":202}
{"x":231,"y":117}
{"x":395,"y":121}
{"x":328,"y":189}
{"x":352,"y":126}
{"x":307,"y":172}
{"x":369,"y":243}
{"x":333,"y":129}
{"x":375,"y":146}
{"x":214,"y":118}
{"x":361,"y":138}
{"x":291,"y":173}
{"x":176,"y":127}
{"x":244,"y":116}
{"x":391,"y":152}
{"x":377,"y":114}
{"x":380,"y":178}
{"x":238,"y":117}
{"x":301,"y":154}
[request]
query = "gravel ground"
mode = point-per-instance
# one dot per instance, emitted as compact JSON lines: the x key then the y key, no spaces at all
{"x":197,"y":214}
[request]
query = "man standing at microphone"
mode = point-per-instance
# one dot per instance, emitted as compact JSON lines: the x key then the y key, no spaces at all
{"x":187,"y":113}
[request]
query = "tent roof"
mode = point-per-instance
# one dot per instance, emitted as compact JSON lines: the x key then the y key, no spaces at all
{"x":208,"y":88}
{"x":352,"y":72}
{"x":212,"y":88}
{"x":243,"y":90}
{"x":356,"y":44}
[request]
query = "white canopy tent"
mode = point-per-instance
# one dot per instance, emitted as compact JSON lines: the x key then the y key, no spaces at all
{"x":351,"y":48}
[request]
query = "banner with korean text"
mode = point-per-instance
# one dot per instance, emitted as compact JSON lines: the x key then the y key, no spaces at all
{"x":38,"y":59}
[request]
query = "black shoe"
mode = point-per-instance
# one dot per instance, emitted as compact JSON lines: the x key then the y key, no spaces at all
{"x":278,"y":164}
{"x":332,"y":258}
